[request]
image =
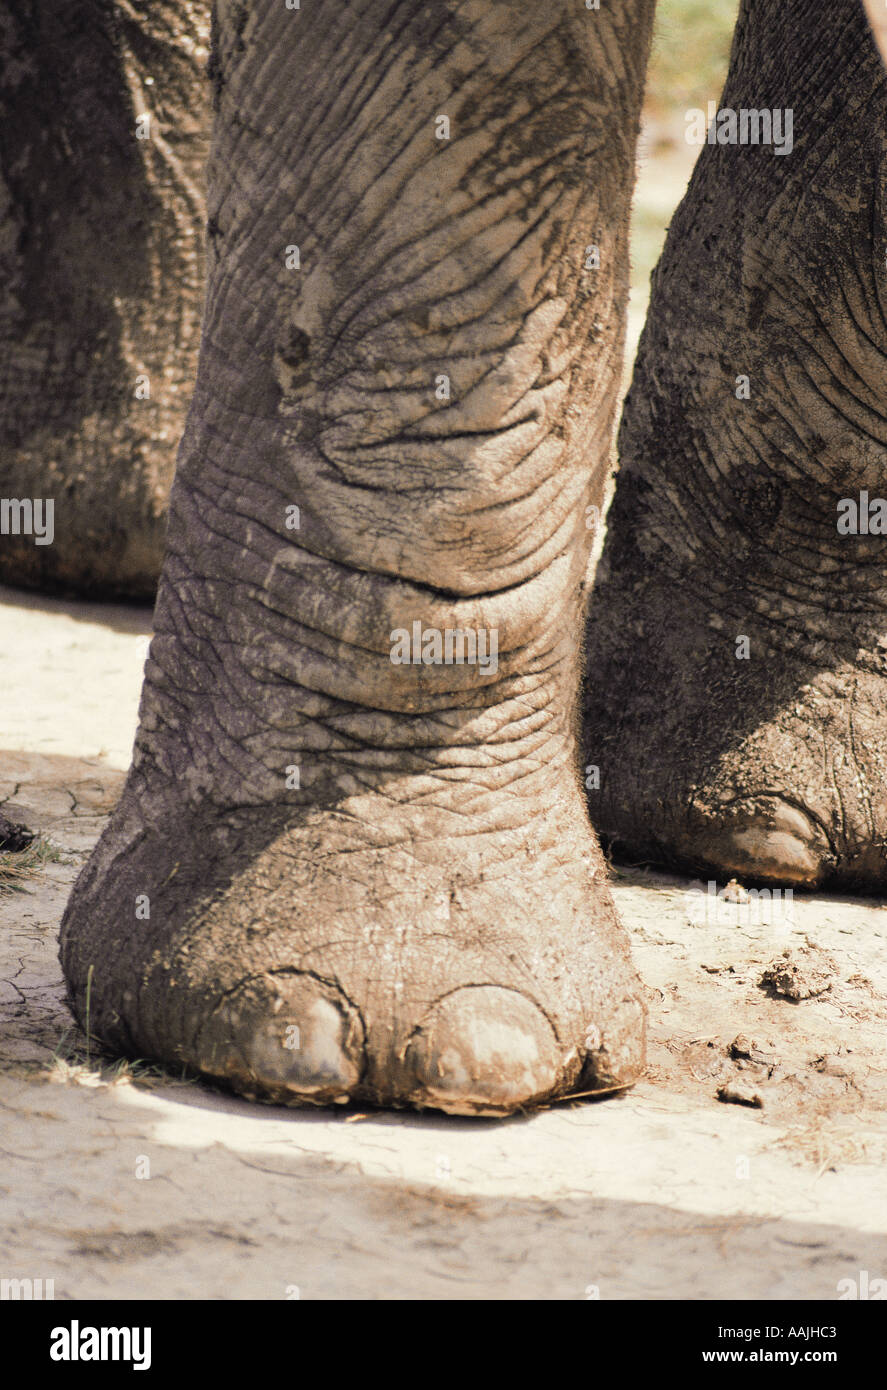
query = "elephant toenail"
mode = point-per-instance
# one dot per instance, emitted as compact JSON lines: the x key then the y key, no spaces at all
{"x":616,"y":1047}
{"x":482,"y":1050}
{"x":771,"y":841}
{"x":290,"y":1034}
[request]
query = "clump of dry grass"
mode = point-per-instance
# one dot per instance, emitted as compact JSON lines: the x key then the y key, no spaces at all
{"x":16,"y":868}
{"x":80,"y":1059}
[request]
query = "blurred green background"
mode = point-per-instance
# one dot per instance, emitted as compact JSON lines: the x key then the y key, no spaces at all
{"x":688,"y":64}
{"x":691,"y":44}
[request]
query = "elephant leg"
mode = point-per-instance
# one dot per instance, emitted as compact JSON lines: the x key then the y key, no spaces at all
{"x":352,"y":858}
{"x":104,"y":130}
{"x":736,"y":701}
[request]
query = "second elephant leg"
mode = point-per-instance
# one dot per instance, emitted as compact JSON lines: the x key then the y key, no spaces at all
{"x":736,"y":695}
{"x":104,"y":130}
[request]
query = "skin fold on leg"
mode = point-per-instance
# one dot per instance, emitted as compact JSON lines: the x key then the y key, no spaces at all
{"x":334,"y":874}
{"x":735,"y":696}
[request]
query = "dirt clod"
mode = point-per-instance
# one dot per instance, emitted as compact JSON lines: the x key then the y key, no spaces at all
{"x":742,"y":1049}
{"x":741,"y":1093}
{"x":13,"y":837}
{"x":734,"y":892}
{"x":800,"y":974}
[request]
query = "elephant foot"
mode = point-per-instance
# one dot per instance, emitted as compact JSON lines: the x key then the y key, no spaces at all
{"x":709,"y":751}
{"x":364,"y":953}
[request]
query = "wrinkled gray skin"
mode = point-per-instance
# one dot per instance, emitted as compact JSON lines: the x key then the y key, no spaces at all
{"x":101,"y":278}
{"x":725,"y":518}
{"x":424,"y":919}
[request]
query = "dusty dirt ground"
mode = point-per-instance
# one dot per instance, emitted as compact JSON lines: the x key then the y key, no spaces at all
{"x":118,"y":1182}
